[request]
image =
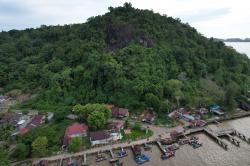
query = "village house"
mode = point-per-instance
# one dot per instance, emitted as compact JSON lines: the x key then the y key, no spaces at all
{"x":36,"y":121}
{"x":188,"y":117}
{"x":183,"y":114}
{"x":43,"y":163}
{"x":99,"y":137}
{"x":197,"y":123}
{"x":32,"y":113}
{"x":115,"y":128}
{"x":148,"y":116}
{"x":201,"y":111}
{"x":2,"y":99}
{"x":50,"y":116}
{"x":176,"y":132}
{"x":23,"y":131}
{"x":118,"y":112}
{"x":72,"y":116}
{"x":75,"y":130}
{"x":10,"y":119}
{"x":216,"y":109}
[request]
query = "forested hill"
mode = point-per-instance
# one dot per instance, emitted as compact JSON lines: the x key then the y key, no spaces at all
{"x":129,"y":57}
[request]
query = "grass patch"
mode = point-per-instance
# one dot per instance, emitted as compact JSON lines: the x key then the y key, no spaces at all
{"x":163,"y":119}
{"x":137,"y":134}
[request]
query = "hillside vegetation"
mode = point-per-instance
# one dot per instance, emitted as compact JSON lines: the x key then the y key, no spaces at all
{"x":128,"y":57}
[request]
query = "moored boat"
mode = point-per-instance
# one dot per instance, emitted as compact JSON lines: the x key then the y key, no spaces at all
{"x":168,"y":155}
{"x":100,"y":157}
{"x":147,"y":146}
{"x":122,"y":153}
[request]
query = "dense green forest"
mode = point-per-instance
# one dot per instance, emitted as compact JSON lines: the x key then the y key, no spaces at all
{"x":128,"y":57}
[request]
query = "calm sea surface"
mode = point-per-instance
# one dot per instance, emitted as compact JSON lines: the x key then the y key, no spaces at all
{"x":242,"y":47}
{"x":210,"y":154}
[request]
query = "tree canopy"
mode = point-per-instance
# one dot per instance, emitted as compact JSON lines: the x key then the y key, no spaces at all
{"x":39,"y":146}
{"x":124,"y":57}
{"x":4,"y":158}
{"x":96,"y":115}
{"x":75,"y":144}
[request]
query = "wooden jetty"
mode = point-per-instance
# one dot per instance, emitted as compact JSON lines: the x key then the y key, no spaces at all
{"x":84,"y":159}
{"x":61,"y":161}
{"x":163,"y":150}
{"x":113,"y":158}
{"x":241,"y":136}
{"x":216,"y":122}
{"x":216,"y":138}
{"x":233,"y":140}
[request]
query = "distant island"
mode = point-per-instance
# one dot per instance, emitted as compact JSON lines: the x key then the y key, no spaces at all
{"x":234,"y":40}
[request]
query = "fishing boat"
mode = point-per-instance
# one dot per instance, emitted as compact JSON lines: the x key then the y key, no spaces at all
{"x":196,"y":145}
{"x":147,"y":146}
{"x":117,"y":164}
{"x":145,"y":157}
{"x":71,"y":163}
{"x":168,"y":155}
{"x":140,"y":159}
{"x":167,"y":141}
{"x":100,"y":157}
{"x":122,"y":153}
{"x":183,"y":141}
{"x":172,"y":147}
{"x":136,"y":150}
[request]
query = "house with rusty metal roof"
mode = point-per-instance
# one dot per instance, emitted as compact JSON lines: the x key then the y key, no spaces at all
{"x":74,"y":130}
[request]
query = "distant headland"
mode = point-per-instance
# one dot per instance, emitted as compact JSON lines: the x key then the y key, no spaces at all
{"x":234,"y":40}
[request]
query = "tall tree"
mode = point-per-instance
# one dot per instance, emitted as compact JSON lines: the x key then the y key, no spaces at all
{"x":4,"y":158}
{"x":75,"y":144}
{"x":21,"y":151}
{"x":97,"y":120}
{"x":39,"y":146}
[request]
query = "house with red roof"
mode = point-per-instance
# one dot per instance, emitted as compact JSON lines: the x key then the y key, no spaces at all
{"x":36,"y":121}
{"x":23,"y":131}
{"x":75,"y":130}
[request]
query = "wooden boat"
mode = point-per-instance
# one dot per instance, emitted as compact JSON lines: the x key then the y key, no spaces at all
{"x":147,"y":146}
{"x":100,"y":157}
{"x":168,"y":155}
{"x":136,"y":150}
{"x":122,"y":153}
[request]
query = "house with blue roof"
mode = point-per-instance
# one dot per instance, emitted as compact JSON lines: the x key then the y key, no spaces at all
{"x":216,"y":109}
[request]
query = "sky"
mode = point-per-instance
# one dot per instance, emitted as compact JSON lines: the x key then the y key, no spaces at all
{"x":212,"y":18}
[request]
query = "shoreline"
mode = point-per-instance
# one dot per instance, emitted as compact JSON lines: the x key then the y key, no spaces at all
{"x":151,"y":139}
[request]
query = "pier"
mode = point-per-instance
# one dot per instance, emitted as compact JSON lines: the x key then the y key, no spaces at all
{"x":112,"y":154}
{"x":113,"y":158}
{"x":154,"y":139}
{"x":233,"y":140}
{"x":241,"y":136}
{"x":216,"y":138}
{"x":161,"y":147}
{"x":84,"y":159}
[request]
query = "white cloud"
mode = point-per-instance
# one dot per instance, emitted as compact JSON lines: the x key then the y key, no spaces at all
{"x":217,"y":18}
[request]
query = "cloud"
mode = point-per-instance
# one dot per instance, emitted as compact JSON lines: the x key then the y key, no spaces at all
{"x":207,"y":16}
{"x":201,"y":16}
{"x":10,"y":8}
